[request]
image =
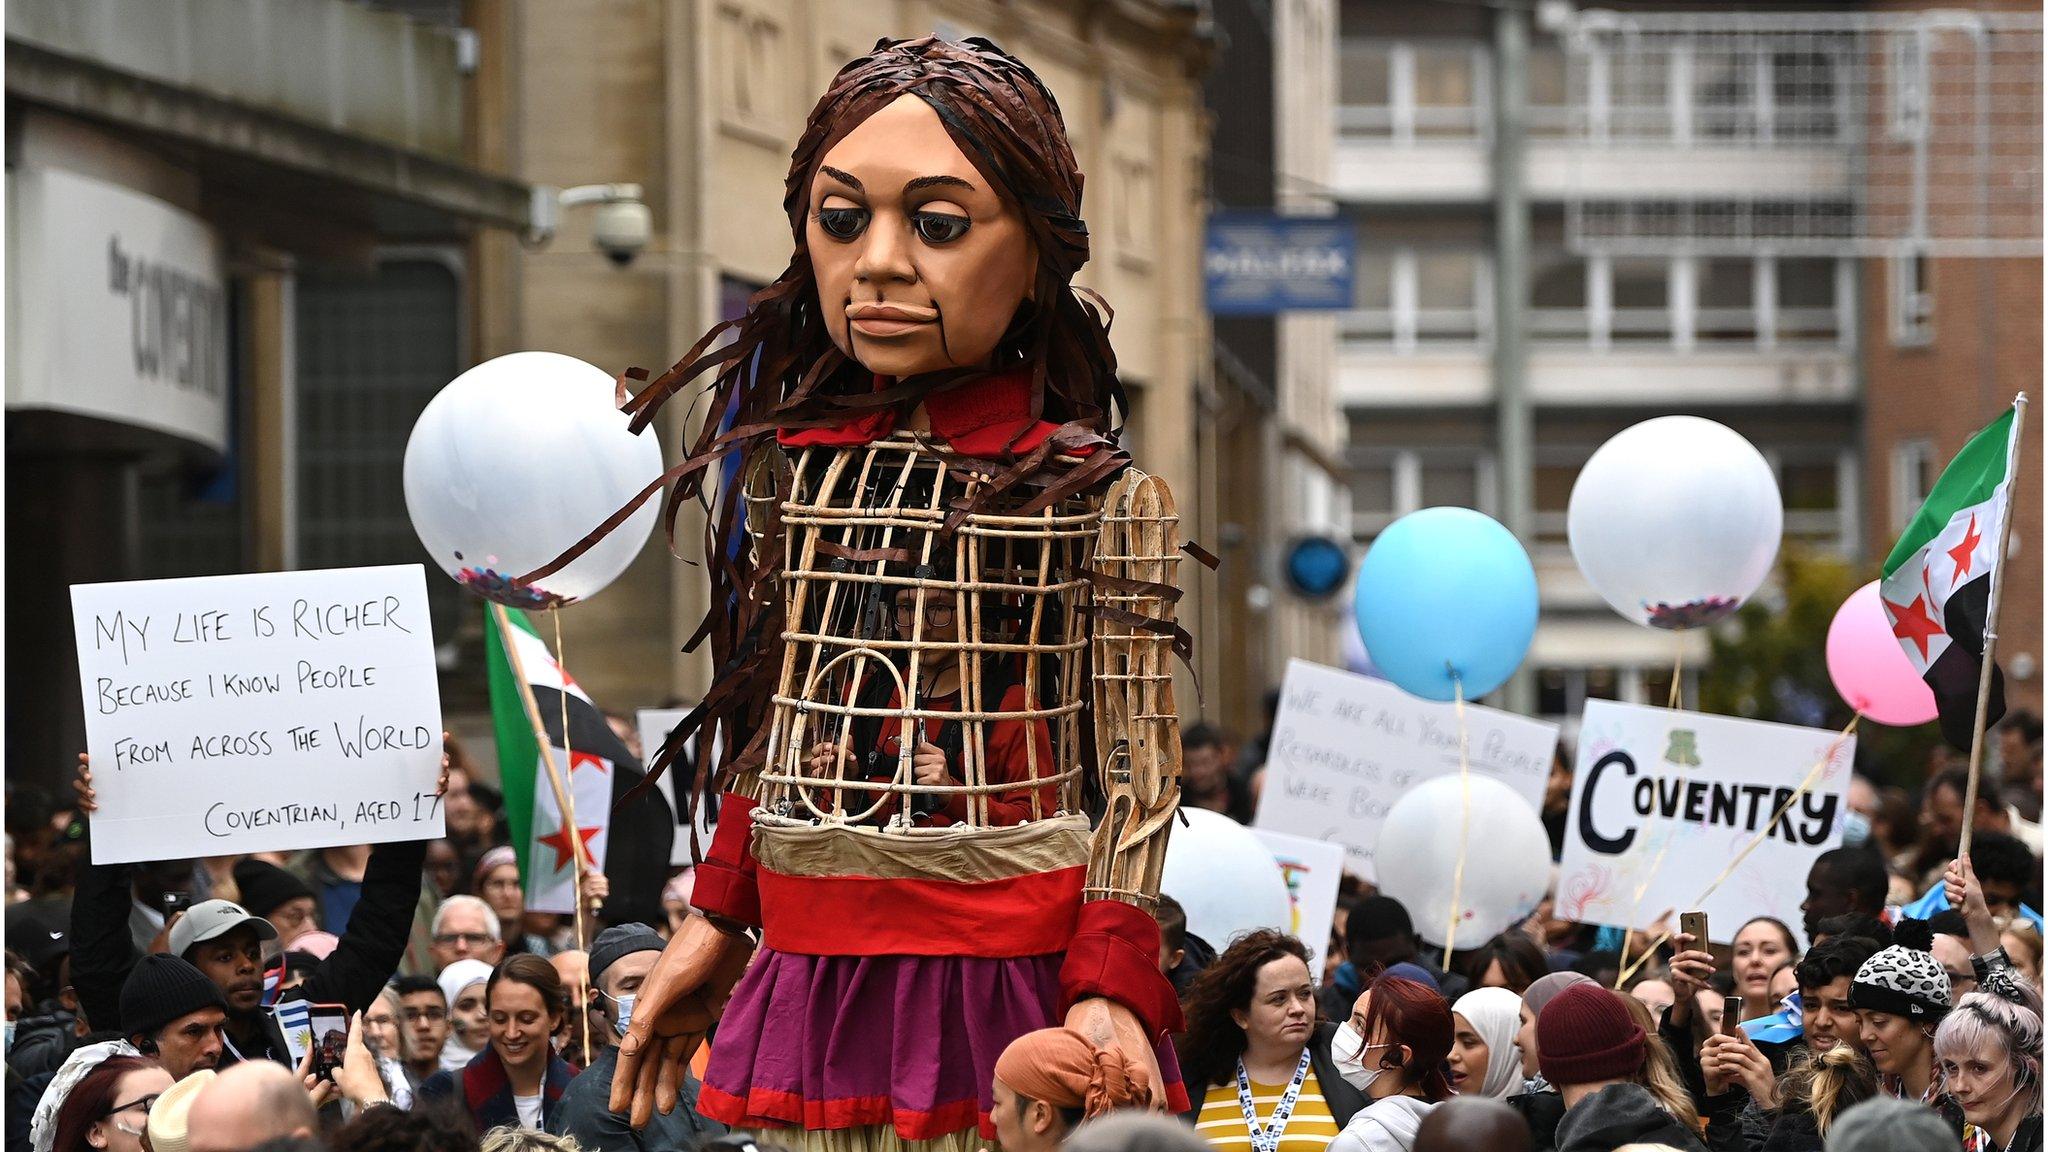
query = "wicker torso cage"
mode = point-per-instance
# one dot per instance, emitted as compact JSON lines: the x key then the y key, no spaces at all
{"x":994,"y":641}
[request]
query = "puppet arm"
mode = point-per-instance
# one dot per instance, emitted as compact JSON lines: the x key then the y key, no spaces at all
{"x":1115,"y":951}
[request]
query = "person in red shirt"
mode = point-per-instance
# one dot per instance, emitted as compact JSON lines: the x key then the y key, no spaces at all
{"x":1014,"y":751}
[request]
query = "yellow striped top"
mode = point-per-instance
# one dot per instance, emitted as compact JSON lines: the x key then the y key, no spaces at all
{"x":1221,"y":1121}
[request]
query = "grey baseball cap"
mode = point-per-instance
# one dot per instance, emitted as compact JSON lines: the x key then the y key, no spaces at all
{"x":211,"y":918}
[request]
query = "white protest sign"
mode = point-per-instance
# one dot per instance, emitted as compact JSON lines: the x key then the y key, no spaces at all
{"x":1314,"y":870}
{"x":1346,"y":747}
{"x":1695,"y":790}
{"x":258,"y":713}
{"x":655,"y":724}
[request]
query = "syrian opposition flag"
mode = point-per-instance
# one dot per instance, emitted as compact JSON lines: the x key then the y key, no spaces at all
{"x":597,"y":770}
{"x":1937,"y":581}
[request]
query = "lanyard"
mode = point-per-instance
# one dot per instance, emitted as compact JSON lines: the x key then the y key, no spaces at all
{"x":1267,"y":1138}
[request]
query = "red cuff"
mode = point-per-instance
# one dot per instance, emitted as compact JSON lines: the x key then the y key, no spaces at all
{"x":1115,"y":954}
{"x":725,"y":884}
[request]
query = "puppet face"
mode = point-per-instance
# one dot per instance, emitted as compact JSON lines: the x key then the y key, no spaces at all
{"x":920,"y":264}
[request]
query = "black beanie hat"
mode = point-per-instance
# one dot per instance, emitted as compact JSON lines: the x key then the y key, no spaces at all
{"x":264,"y":886}
{"x":162,"y":989}
{"x":621,"y":940}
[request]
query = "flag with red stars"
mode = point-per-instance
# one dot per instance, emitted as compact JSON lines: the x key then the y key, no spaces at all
{"x":597,"y":768}
{"x":1937,"y":580}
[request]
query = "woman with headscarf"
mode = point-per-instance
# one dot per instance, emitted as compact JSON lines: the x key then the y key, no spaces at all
{"x":1540,"y":1105}
{"x":1484,"y":1060}
{"x":469,"y":1021}
{"x":1047,"y":1082}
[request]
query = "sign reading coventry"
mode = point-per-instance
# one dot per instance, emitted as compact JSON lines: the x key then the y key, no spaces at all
{"x":1257,"y":264}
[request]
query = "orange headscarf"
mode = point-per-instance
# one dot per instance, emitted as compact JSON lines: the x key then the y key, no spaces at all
{"x":1060,"y":1067}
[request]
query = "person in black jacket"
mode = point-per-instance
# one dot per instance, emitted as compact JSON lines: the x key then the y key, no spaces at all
{"x":225,"y":942}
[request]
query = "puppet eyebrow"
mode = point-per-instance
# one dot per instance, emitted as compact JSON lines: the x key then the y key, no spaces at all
{"x":937,"y":182}
{"x":845,"y":178}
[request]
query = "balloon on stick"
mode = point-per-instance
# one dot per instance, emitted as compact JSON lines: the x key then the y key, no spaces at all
{"x":1446,"y":595}
{"x":1675,"y":521}
{"x":515,"y":461}
{"x":1416,"y":861}
{"x":1225,"y":879}
{"x":1869,"y":668}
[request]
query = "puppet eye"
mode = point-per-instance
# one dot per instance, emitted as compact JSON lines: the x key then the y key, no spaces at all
{"x":940,"y":227}
{"x":843,"y":223}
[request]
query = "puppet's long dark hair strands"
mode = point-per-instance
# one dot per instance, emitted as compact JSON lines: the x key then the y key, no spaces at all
{"x":781,"y":369}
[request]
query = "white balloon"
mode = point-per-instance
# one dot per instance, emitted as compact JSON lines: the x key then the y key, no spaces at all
{"x":1225,"y":878}
{"x":1675,"y":521}
{"x":515,"y":461}
{"x":1507,"y":865}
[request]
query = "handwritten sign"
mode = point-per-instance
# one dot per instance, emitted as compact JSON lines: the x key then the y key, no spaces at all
{"x":1346,"y":747}
{"x":257,"y":713}
{"x":1663,"y":800}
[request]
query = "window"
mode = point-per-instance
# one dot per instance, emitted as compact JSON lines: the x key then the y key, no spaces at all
{"x":372,"y":351}
{"x":1446,"y":90}
{"x":1915,"y":467}
{"x":1724,"y":95}
{"x":1447,"y":296}
{"x":1806,"y":300}
{"x":1811,"y":488}
{"x":1388,"y":483}
{"x":1365,"y":80}
{"x":1726,"y":300}
{"x":1551,"y":496}
{"x":1557,"y":297}
{"x":1642,"y":301}
{"x":1639,"y":94}
{"x":1912,"y":299}
{"x":1805,"y":97}
{"x":1373,"y":295}
{"x":1550,"y":107}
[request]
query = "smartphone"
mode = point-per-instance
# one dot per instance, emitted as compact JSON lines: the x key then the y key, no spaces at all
{"x":330,"y":1038}
{"x":1694,"y":924}
{"x":1731,"y":1016}
{"x":176,"y":902}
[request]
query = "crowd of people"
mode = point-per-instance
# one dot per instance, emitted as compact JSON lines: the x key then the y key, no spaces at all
{"x":1906,"y":1014}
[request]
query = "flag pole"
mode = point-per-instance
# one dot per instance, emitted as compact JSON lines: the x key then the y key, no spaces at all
{"x":2019,"y":430}
{"x":581,"y":851}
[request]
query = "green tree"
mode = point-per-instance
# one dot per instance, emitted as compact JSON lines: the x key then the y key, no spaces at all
{"x":1769,"y":662}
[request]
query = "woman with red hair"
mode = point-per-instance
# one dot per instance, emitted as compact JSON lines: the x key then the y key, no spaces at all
{"x":1393,"y":1049}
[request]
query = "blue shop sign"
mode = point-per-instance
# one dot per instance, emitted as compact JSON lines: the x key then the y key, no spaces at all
{"x":1257,"y":264}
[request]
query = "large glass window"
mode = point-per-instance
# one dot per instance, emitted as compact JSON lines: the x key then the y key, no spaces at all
{"x":1726,"y":299}
{"x":1557,"y":297}
{"x":1447,"y":296}
{"x":1446,"y":90}
{"x":1806,"y":300}
{"x":1724,"y":95}
{"x":1642,"y":301}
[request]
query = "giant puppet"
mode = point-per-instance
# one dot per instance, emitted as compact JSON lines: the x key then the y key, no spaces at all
{"x":942,"y":625}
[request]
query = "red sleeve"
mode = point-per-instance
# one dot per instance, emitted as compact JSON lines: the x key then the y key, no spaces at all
{"x":1115,"y":954}
{"x":1009,"y":762}
{"x":726,"y":883}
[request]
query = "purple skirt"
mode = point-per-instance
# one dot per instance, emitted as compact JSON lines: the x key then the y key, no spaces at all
{"x":908,"y":1042}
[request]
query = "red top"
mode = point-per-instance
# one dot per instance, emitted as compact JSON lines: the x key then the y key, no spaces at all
{"x":979,"y":419}
{"x":1006,"y":759}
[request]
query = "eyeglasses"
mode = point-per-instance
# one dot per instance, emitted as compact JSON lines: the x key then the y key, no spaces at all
{"x":145,"y":1103}
{"x":473,"y":939}
{"x":937,"y":613}
{"x":430,"y":1015}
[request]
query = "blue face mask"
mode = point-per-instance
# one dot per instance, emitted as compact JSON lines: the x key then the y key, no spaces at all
{"x":622,"y":1016}
{"x":10,"y":1036}
{"x":1855,"y":829}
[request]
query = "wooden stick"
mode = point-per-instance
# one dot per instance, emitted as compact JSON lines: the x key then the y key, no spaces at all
{"x":1464,"y":820}
{"x":2019,"y":429}
{"x":569,"y":814}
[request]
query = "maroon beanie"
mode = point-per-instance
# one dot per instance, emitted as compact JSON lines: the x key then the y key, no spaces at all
{"x":1584,"y":1035}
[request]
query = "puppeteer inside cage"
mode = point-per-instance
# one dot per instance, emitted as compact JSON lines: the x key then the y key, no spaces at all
{"x":935,"y":661}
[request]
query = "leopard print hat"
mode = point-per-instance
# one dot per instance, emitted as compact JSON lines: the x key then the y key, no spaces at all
{"x":1904,"y":979}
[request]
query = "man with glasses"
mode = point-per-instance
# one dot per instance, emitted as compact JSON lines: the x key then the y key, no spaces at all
{"x":465,"y":928}
{"x":422,"y":1027}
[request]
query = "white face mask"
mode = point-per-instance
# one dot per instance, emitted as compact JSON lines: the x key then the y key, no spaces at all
{"x":1348,"y":1049}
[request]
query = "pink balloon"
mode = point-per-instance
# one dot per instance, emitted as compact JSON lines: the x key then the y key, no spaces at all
{"x":1869,"y":668}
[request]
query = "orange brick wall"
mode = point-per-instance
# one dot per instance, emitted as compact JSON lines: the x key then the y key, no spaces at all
{"x":1987,"y":347}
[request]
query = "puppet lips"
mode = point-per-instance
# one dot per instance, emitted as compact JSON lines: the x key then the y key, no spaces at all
{"x":888,"y":319}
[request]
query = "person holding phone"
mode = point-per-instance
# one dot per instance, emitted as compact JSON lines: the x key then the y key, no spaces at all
{"x":225,"y":942}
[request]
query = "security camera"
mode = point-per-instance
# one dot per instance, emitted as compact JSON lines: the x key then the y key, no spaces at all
{"x":621,"y":230}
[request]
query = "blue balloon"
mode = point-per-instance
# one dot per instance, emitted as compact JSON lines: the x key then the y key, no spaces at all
{"x":1446,"y":595}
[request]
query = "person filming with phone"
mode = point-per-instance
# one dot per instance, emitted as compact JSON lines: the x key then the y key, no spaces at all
{"x":228,"y":945}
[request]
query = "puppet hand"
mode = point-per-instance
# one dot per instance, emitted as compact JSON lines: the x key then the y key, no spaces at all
{"x":1108,"y":1024}
{"x":682,"y":997}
